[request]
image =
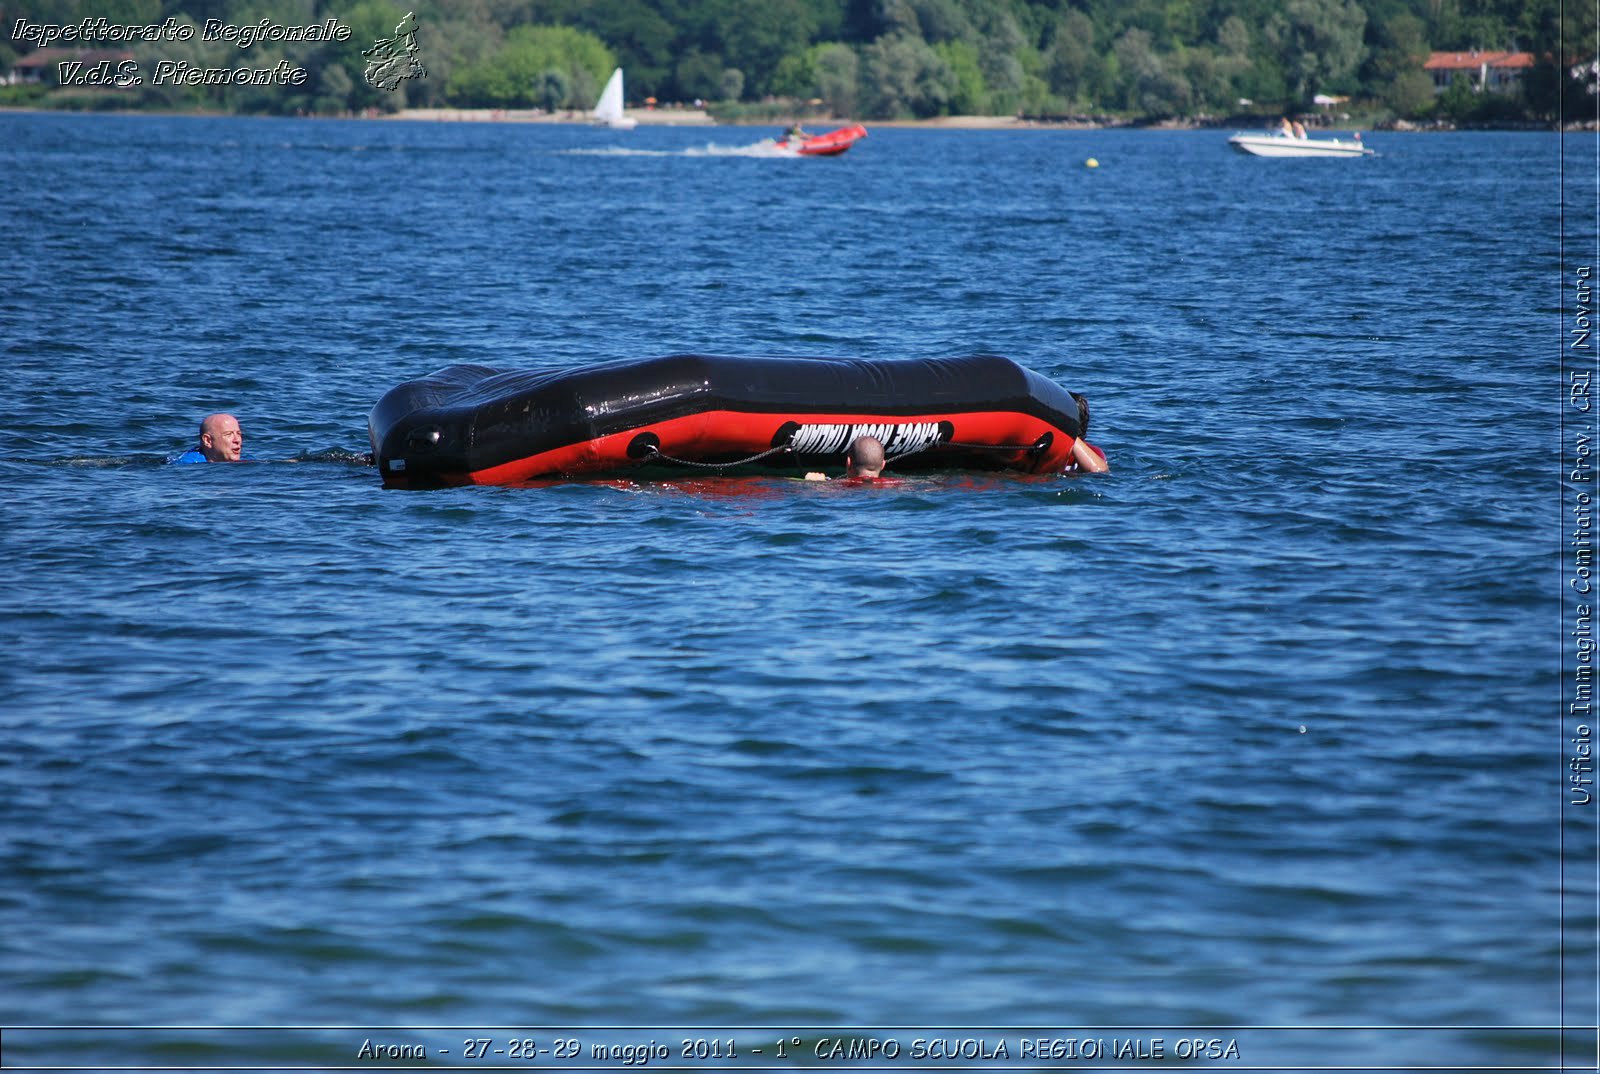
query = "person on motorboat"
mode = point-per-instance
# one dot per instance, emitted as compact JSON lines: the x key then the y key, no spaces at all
{"x":795,"y":134}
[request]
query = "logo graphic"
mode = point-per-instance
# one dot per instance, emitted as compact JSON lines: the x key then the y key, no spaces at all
{"x":392,"y":60}
{"x":898,"y":438}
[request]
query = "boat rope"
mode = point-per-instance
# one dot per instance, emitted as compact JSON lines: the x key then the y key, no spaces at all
{"x":655,"y":454}
{"x":647,"y":451}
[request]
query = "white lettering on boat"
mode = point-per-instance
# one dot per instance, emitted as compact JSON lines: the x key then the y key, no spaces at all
{"x":898,"y":438}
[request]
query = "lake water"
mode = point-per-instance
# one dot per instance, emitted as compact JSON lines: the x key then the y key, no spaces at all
{"x":1262,"y":729}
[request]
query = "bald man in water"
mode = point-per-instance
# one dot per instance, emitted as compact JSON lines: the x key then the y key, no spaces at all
{"x":221,"y":440}
{"x":864,"y":461}
{"x":865,"y":457}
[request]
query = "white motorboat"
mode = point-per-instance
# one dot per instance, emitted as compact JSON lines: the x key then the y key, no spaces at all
{"x":1282,"y":145}
{"x":609,"y":111}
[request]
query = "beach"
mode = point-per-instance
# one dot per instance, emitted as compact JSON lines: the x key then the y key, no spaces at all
{"x":698,"y":117}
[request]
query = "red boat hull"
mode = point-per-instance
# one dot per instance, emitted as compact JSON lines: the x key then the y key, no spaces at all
{"x":833,"y":143}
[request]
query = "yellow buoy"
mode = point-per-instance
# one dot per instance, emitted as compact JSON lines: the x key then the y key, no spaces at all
{"x":1091,"y":163}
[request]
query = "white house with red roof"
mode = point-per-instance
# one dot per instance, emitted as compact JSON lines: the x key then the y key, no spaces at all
{"x":1494,"y":72}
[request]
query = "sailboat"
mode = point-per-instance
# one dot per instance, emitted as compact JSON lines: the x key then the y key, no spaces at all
{"x":609,"y":111}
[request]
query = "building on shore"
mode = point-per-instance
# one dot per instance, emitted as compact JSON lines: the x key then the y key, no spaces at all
{"x":1489,"y":72}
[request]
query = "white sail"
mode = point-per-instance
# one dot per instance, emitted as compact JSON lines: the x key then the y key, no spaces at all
{"x":609,"y":110}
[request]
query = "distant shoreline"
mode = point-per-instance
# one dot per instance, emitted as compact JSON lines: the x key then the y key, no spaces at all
{"x":692,"y":117}
{"x":695,"y":117}
{"x":654,"y":117}
{"x":685,"y":117}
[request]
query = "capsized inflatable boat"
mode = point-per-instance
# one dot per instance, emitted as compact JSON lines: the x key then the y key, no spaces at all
{"x":472,"y":425}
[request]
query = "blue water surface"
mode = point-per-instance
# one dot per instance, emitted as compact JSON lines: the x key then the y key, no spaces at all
{"x":1260,"y":729}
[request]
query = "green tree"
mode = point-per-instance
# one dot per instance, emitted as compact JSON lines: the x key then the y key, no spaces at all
{"x":196,"y":52}
{"x":551,"y":89}
{"x":1471,"y":26}
{"x":514,"y":76}
{"x":839,"y":78}
{"x":128,"y":12}
{"x":333,"y":90}
{"x":1561,"y":36}
{"x":1148,"y":85}
{"x":1408,"y":93}
{"x":796,"y":75}
{"x":1168,"y":24}
{"x":699,"y":75}
{"x":1233,"y":37}
{"x":1002,"y":56}
{"x":1233,"y":64}
{"x":902,"y":76}
{"x":1073,"y":69}
{"x":969,"y":96}
{"x":1394,"y":72}
{"x":1320,"y":42}
{"x":1458,"y":100}
{"x":942,"y":20}
{"x":642,"y":37}
{"x":369,"y":21}
{"x":449,"y":45}
{"x":1208,"y":78}
{"x":754,"y":38}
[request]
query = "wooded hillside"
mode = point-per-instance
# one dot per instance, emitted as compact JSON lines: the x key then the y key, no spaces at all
{"x":884,"y":58}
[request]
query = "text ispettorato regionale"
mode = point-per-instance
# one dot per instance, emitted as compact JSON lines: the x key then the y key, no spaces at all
{"x":99,"y":30}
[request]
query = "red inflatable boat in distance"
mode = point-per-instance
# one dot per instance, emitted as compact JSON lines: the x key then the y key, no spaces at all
{"x":828,"y":145}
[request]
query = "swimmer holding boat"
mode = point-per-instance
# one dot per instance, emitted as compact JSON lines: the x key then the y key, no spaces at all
{"x":865,"y":459}
{"x":863,"y":462}
{"x":1086,"y":458}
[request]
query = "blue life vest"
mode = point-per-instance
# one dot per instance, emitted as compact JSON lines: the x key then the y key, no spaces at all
{"x":196,"y":455}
